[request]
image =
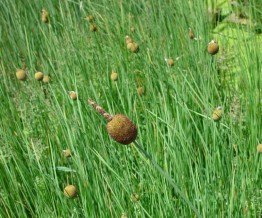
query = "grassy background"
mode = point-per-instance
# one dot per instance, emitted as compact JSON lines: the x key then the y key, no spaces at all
{"x":216,"y":165}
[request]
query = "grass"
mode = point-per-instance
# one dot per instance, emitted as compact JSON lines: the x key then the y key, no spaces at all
{"x":215,"y":164}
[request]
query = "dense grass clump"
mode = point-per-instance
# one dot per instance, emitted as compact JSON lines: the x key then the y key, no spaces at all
{"x":198,"y":113}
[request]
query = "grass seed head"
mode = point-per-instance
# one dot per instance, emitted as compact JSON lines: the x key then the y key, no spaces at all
{"x":90,"y":18}
{"x":21,"y":74}
{"x":114,"y":76}
{"x":70,"y":191}
{"x":259,"y":148}
{"x":191,"y":34}
{"x":170,"y":62}
{"x":134,"y":47}
{"x":217,"y":114}
{"x":46,"y":79}
{"x":93,"y":28}
{"x":140,"y":90}
{"x":44,"y":16}
{"x":122,"y":129}
{"x":212,"y":47}
{"x":67,"y":153}
{"x":73,"y":95}
{"x":128,"y":39}
{"x":39,"y":76}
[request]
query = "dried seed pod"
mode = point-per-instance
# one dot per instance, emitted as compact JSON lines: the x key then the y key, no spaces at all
{"x":119,"y":127}
{"x":67,"y":153}
{"x":39,"y":76}
{"x":46,"y":79}
{"x":73,"y":95}
{"x":70,"y":191}
{"x":259,"y":148}
{"x":122,"y":129}
{"x":140,"y":90}
{"x":90,"y":18}
{"x":44,"y":16}
{"x":114,"y":76}
{"x":191,"y":34}
{"x":217,"y":114}
{"x":134,"y":47}
{"x":170,"y":62}
{"x":128,"y":39}
{"x":93,"y":28}
{"x":21,"y":74}
{"x":212,"y":47}
{"x":135,"y":197}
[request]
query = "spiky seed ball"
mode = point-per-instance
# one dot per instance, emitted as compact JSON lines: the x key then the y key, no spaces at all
{"x":70,"y":191}
{"x":217,"y":114}
{"x":135,"y":197}
{"x":134,"y":47}
{"x":132,"y":29}
{"x":46,"y":79}
{"x":114,"y":76}
{"x":67,"y":153}
{"x":129,"y":45}
{"x":191,"y":34}
{"x":73,"y":95}
{"x":39,"y":76}
{"x":140,"y":90}
{"x":122,"y":129}
{"x":259,"y":148}
{"x":170,"y":62}
{"x":93,"y":28}
{"x":128,"y":39}
{"x":44,"y":16}
{"x":212,"y":47}
{"x":90,"y":18}
{"x":21,"y":74}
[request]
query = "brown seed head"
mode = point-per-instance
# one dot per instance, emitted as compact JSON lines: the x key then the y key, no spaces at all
{"x":122,"y":129}
{"x":259,"y":148}
{"x":134,"y":47}
{"x":21,"y":74}
{"x":93,"y":28}
{"x":46,"y":79}
{"x":70,"y":191}
{"x":73,"y":95}
{"x":39,"y":76}
{"x":114,"y":76}
{"x":191,"y":34}
{"x":170,"y":62}
{"x":217,"y":114}
{"x":44,"y":16}
{"x":212,"y":47}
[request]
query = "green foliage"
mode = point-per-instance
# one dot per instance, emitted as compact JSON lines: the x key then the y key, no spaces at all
{"x":215,"y":164}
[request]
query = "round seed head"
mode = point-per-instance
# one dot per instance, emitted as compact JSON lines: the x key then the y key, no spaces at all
{"x":128,"y":39}
{"x":21,"y":74}
{"x":140,"y":90}
{"x":129,"y":45}
{"x":39,"y":76}
{"x":93,"y":28}
{"x":212,"y":47}
{"x":73,"y":95}
{"x":191,"y":34}
{"x":44,"y":16}
{"x":122,"y":129}
{"x":90,"y":18}
{"x":217,"y":114}
{"x":132,"y":29}
{"x":135,"y":197}
{"x":114,"y":76}
{"x":46,"y":79}
{"x":70,"y":191}
{"x":67,"y":153}
{"x":170,"y":62}
{"x":259,"y":148}
{"x":134,"y":47}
